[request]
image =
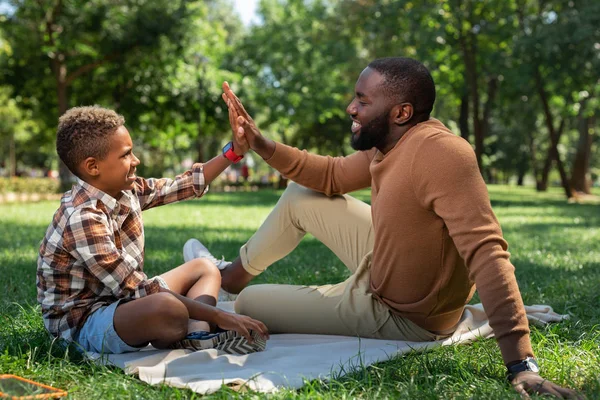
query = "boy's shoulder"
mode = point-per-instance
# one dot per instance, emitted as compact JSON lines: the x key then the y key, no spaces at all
{"x":74,"y":202}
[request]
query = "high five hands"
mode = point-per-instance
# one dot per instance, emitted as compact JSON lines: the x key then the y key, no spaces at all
{"x":245,"y":133}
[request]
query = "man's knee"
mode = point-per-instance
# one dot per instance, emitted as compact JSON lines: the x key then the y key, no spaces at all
{"x":298,"y":196}
{"x":246,"y":299}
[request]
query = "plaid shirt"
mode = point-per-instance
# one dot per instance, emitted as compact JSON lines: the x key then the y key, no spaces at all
{"x":93,"y":251}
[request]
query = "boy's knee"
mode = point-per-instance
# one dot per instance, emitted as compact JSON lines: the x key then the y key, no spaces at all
{"x":207,"y":269}
{"x":169,"y":312}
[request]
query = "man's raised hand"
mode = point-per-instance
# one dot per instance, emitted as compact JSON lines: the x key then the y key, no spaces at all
{"x":243,"y":125}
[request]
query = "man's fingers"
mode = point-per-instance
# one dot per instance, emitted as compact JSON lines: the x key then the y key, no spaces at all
{"x":520,"y":388}
{"x":568,"y":393}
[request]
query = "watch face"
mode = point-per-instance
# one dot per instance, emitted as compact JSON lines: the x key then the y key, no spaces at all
{"x":227,"y":147}
{"x":532,"y":365}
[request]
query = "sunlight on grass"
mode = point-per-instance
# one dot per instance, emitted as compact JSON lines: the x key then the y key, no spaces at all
{"x":555,"y":248}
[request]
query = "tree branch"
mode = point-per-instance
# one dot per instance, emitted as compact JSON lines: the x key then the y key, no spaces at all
{"x":89,"y":67}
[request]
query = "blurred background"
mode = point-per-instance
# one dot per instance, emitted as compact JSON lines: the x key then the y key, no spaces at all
{"x":520,"y":80}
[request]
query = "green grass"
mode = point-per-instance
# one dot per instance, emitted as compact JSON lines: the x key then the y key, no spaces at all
{"x":555,"y":247}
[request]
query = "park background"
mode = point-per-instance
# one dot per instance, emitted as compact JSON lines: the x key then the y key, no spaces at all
{"x":518,"y":79}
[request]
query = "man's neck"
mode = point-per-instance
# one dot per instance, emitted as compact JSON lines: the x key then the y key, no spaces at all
{"x":395,"y":135}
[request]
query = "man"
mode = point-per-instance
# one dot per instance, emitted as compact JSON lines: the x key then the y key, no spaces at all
{"x":415,"y":254}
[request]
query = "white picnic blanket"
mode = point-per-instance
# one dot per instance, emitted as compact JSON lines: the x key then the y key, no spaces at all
{"x":291,"y":359}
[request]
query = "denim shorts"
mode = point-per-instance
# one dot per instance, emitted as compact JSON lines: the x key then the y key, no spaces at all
{"x":98,"y":333}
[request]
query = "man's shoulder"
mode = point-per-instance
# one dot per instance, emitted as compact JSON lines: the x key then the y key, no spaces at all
{"x":433,"y":136}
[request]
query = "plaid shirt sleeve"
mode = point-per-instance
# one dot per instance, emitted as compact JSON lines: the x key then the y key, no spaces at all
{"x":157,"y":192}
{"x":88,"y":238}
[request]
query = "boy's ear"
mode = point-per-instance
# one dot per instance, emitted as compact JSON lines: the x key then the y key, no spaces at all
{"x":90,"y":167}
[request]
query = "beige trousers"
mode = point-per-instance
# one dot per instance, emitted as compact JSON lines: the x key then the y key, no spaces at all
{"x":343,"y":224}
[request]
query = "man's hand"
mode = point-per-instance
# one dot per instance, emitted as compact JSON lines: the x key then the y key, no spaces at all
{"x":241,"y":324}
{"x":243,"y":125}
{"x":527,"y":382}
{"x":240,"y":144}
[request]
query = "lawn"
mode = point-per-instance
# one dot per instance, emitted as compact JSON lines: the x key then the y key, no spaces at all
{"x":555,"y":247}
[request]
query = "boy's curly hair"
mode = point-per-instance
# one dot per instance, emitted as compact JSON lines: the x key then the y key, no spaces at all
{"x":84,"y":132}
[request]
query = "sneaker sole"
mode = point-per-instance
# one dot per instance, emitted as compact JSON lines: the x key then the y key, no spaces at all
{"x":229,"y":342}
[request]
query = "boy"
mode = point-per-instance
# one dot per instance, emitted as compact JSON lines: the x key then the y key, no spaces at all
{"x":90,"y":278}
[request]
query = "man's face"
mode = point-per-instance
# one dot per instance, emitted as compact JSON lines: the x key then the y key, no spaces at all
{"x":117,"y":170}
{"x":370,"y":111}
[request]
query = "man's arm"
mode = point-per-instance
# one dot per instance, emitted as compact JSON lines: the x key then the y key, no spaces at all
{"x":452,"y":187}
{"x":329,"y":175}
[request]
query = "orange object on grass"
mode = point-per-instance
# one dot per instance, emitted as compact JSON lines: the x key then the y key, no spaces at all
{"x":14,"y":387}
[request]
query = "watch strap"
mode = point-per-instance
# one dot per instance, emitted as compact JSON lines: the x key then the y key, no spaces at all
{"x":528,"y":364}
{"x":230,"y":154}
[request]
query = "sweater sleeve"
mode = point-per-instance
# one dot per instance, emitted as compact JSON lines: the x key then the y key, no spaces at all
{"x":329,"y":175}
{"x":447,"y":181}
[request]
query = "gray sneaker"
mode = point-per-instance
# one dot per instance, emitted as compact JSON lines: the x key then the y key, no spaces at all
{"x":192,"y":249}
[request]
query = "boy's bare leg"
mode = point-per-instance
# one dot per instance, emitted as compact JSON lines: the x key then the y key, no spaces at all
{"x":198,"y":279}
{"x":159,"y":318}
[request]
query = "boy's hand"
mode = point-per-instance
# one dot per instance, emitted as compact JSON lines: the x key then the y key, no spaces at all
{"x":243,"y":124}
{"x":241,"y":324}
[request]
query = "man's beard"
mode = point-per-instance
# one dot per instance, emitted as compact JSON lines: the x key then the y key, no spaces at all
{"x":371,"y":134}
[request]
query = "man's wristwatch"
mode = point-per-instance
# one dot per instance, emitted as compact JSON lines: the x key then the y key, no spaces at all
{"x":528,"y":364}
{"x":229,"y":154}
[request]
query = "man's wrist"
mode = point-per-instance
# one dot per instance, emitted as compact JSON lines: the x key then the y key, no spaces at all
{"x":528,"y":364}
{"x":264,"y":147}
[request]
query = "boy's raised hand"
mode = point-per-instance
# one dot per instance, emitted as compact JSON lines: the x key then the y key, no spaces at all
{"x":243,"y":125}
{"x":241,"y":324}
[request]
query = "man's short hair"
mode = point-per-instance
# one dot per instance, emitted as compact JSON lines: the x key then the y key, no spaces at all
{"x":84,"y":132}
{"x":407,"y":80}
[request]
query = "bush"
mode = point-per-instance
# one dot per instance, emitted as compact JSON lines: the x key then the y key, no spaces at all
{"x":29,"y":185}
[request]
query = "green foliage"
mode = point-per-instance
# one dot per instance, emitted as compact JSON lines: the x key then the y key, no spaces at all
{"x":555,"y":248}
{"x":161,"y":64}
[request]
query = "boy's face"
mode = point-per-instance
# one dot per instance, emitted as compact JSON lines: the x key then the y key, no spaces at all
{"x":117,"y":171}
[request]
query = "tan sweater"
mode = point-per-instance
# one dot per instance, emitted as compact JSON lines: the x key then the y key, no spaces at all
{"x":436,"y":235}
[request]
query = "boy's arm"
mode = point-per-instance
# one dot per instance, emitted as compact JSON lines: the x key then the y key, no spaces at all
{"x":193,"y":183}
{"x":87,"y":238}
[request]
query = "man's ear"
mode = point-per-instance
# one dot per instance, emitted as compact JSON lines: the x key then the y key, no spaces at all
{"x":90,"y":167}
{"x":402,"y":113}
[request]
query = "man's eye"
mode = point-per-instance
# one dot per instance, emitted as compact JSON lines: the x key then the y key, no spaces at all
{"x":362,"y":103}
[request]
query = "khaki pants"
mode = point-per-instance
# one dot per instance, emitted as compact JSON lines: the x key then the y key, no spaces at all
{"x":343,"y":224}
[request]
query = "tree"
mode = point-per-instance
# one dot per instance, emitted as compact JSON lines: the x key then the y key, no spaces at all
{"x":64,"y":41}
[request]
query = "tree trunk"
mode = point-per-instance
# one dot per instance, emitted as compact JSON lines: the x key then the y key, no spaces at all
{"x":463,"y":119}
{"x":554,"y":136}
{"x":66,"y":177}
{"x":580,"y":174}
{"x":12,"y":159}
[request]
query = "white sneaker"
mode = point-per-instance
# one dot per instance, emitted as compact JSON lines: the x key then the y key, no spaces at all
{"x":194,"y":249}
